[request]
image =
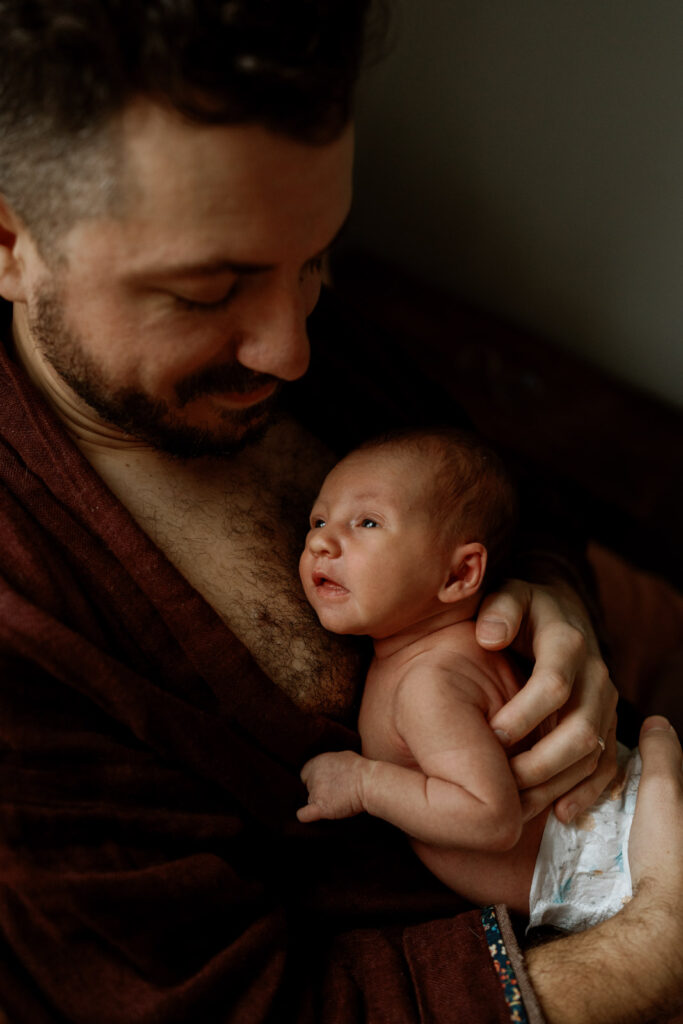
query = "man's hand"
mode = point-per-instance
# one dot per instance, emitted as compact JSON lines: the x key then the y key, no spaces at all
{"x":550,"y":624}
{"x":630,"y":969}
{"x":655,"y":849}
{"x":334,"y":783}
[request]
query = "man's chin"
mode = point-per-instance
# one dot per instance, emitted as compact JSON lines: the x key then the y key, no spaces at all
{"x":193,"y":442}
{"x":173,"y":433}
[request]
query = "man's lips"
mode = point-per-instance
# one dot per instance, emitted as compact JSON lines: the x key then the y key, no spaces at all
{"x":237,"y":400}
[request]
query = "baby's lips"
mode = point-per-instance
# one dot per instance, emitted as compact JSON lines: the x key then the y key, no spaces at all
{"x":319,"y":577}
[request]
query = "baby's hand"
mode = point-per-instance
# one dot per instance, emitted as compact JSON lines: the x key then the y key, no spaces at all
{"x":334,"y":786}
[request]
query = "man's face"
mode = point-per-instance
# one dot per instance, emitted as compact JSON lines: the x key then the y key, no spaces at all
{"x":177,"y":319}
{"x":373,"y":562}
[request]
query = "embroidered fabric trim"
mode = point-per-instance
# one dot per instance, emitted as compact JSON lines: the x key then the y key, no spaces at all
{"x":503,"y":967}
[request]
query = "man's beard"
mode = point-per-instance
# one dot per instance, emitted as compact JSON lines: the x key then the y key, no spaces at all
{"x":136,"y":412}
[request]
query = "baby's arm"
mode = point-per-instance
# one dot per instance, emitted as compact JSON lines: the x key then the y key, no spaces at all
{"x":462,"y":795}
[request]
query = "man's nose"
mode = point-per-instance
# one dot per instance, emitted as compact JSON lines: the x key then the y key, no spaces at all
{"x":274,"y":338}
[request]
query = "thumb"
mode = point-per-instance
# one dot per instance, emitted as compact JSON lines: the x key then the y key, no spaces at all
{"x":660,"y":747}
{"x":656,"y":840}
{"x":499,"y":618}
{"x":307,"y":813}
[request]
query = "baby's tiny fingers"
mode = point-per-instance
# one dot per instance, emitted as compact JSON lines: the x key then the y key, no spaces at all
{"x":309,"y":812}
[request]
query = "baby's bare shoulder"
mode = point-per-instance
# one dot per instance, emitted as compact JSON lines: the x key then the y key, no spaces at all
{"x":455,"y":662}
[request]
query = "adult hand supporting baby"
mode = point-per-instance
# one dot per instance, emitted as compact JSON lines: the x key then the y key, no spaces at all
{"x":550,"y":624}
{"x":629,"y":969}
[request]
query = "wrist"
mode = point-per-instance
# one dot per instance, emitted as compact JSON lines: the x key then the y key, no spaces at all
{"x":655,"y":910}
{"x":628,"y":970}
{"x":367,"y":782}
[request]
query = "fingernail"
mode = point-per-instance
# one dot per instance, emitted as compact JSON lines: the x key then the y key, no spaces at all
{"x":492,"y":630}
{"x":504,"y":737}
{"x":657,"y":723}
{"x":571,"y":812}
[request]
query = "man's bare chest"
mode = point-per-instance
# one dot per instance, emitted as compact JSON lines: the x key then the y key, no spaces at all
{"x":235,"y":528}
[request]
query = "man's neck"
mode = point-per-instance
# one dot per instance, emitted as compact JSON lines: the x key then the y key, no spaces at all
{"x":92,"y":435}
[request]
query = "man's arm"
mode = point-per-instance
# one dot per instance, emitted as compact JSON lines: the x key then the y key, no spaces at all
{"x":629,"y":970}
{"x":549,"y":623}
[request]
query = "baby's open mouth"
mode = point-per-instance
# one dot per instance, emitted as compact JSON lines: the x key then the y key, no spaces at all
{"x":321,"y":581}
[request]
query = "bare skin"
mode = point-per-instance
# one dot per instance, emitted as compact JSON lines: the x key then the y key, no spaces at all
{"x":254,"y":211}
{"x":241,"y":521}
{"x":250,"y":265}
{"x":638,"y":951}
{"x":376,"y":561}
{"x":432,"y":765}
{"x":121,"y":293}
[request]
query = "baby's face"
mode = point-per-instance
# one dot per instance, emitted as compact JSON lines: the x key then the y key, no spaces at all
{"x":372,"y":564}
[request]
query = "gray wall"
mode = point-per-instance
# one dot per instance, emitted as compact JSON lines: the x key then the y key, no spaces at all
{"x":527,"y":155}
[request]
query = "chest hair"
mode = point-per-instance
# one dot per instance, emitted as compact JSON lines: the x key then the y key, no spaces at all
{"x":235,"y":529}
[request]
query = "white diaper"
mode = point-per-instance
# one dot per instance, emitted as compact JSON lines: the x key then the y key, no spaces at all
{"x":582,"y":873}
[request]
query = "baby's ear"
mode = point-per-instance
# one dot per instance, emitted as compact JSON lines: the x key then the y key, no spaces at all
{"x":468,"y":566}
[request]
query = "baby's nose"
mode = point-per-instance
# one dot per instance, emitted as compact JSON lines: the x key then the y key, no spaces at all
{"x":322,"y":540}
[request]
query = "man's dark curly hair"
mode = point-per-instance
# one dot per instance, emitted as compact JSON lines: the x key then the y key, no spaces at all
{"x":67,"y":67}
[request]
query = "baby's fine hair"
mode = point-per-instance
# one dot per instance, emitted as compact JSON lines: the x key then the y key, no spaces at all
{"x":474,"y":498}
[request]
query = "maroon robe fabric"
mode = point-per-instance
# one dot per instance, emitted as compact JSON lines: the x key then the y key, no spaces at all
{"x":151,"y":866}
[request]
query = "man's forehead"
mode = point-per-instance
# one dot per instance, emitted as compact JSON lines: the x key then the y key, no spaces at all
{"x":218,"y":185}
{"x":169,"y":152}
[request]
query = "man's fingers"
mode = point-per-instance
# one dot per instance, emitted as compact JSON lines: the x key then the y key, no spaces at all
{"x":535,"y":702}
{"x":560,"y":656}
{"x":587,"y":792}
{"x":660,"y":748}
{"x":569,"y":689}
{"x":573,"y":740}
{"x":586,"y":768}
{"x":501,"y":614}
{"x":656,"y":841}
{"x":535,"y":799}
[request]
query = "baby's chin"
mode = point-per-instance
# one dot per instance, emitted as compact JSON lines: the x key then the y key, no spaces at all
{"x":338,"y":624}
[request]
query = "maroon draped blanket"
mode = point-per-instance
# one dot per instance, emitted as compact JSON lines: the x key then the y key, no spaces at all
{"x":151,"y":866}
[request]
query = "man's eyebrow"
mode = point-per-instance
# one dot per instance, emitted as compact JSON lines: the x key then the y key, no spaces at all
{"x":214,"y":268}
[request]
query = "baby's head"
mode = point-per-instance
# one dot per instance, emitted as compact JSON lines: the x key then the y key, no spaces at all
{"x":406,"y":523}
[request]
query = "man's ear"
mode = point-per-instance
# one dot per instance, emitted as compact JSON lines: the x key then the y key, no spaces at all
{"x":468,"y":566}
{"x":12,"y":286}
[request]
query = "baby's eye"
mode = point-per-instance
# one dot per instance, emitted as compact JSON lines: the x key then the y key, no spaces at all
{"x":317,"y":523}
{"x":368,"y":523}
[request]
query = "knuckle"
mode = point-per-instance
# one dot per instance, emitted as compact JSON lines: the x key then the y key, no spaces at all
{"x":558,"y":688}
{"x":575,"y":641}
{"x":585,"y":738}
{"x":612,"y":705}
{"x":599,"y":673}
{"x":533,"y":803}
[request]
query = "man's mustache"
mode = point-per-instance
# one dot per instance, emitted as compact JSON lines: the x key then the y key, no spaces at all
{"x":213,"y":380}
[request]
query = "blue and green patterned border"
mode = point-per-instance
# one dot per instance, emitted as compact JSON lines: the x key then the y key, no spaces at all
{"x":503,"y":966}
